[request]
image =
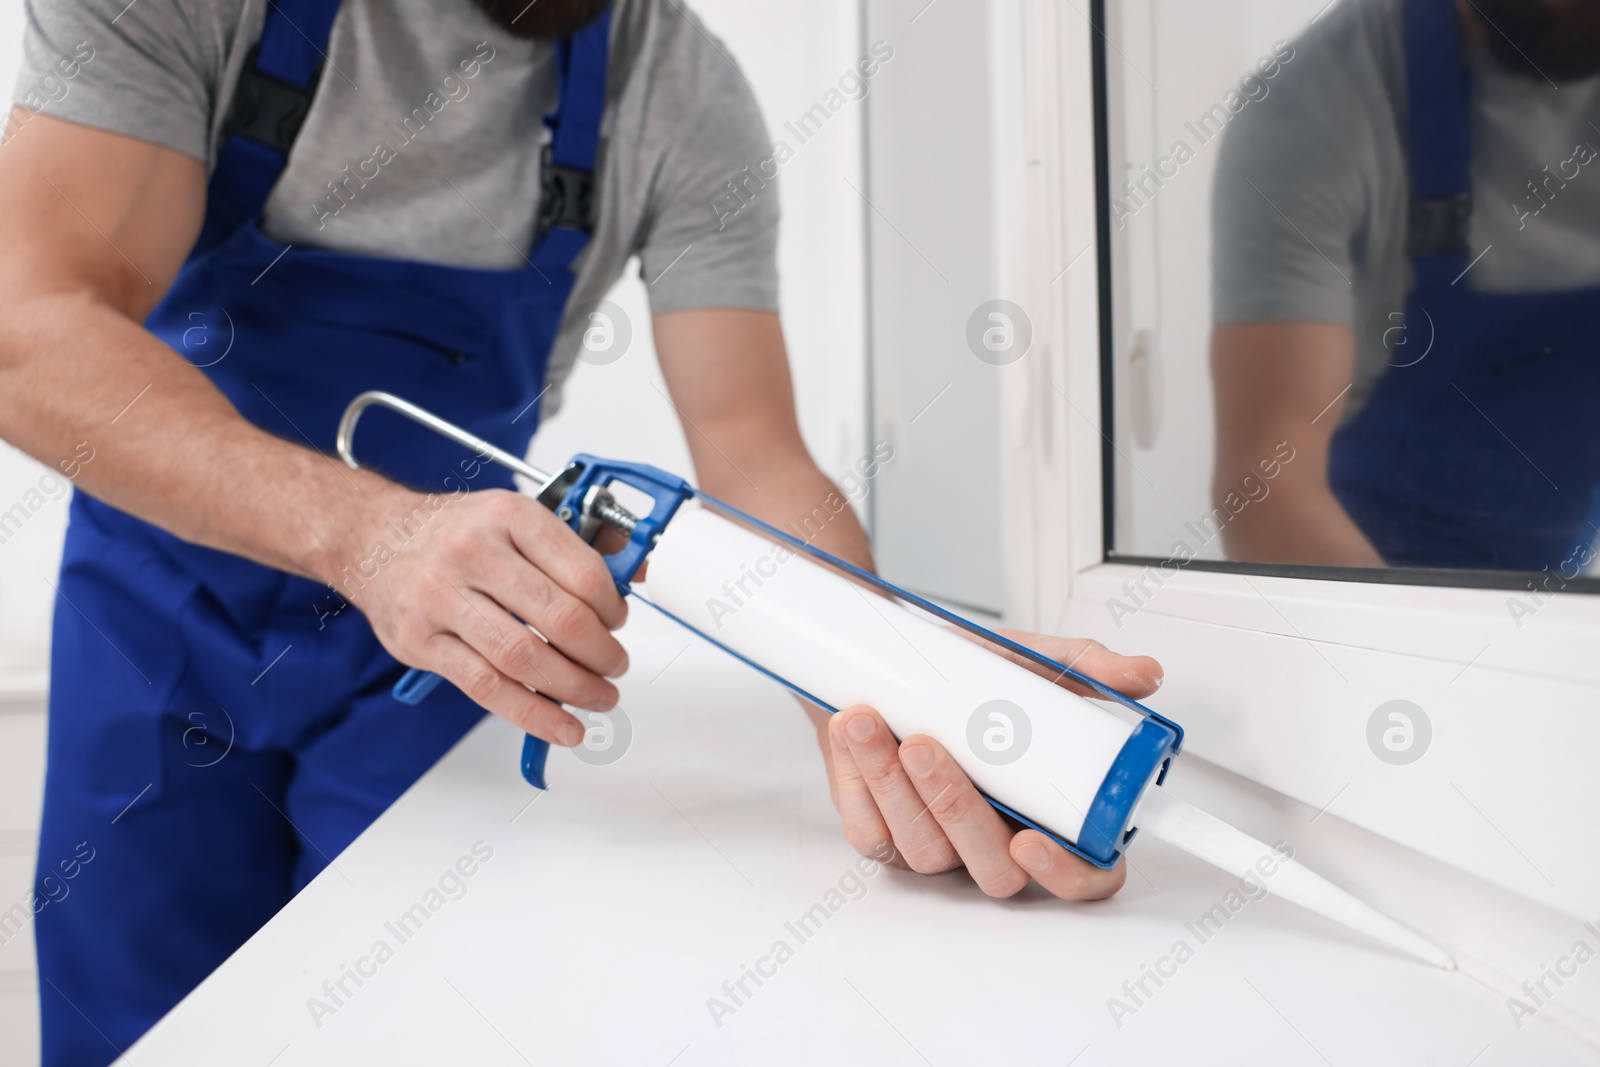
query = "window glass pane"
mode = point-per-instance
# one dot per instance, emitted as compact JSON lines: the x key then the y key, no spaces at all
{"x":1354,"y":263}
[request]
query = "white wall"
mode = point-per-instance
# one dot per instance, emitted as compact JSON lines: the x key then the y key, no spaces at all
{"x":792,"y":52}
{"x":27,"y":559}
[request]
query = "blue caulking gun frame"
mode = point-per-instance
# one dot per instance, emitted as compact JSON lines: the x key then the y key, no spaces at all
{"x":579,"y":496}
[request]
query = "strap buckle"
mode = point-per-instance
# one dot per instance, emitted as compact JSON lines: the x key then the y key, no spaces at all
{"x":269,"y":110}
{"x":1439,"y":227}
{"x":566,"y":196}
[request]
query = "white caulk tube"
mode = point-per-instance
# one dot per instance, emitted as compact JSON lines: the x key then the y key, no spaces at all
{"x":846,"y":645}
{"x":1086,"y":774}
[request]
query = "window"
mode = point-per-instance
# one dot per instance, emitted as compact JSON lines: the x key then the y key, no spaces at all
{"x":1284,"y":668}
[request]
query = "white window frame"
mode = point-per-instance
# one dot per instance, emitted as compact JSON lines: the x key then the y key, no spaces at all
{"x":1274,"y":678}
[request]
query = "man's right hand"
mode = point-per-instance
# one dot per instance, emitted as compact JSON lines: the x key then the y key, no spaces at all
{"x":450,"y":598}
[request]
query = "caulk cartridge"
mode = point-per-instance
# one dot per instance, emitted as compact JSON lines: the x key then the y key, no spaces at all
{"x":1068,"y":766}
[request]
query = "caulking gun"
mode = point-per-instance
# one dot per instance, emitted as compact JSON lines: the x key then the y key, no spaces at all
{"x":1089,"y":776}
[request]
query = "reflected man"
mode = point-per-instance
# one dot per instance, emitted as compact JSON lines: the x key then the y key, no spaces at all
{"x":1407,"y":289}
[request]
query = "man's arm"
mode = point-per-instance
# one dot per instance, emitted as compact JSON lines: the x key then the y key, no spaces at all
{"x":95,"y":230}
{"x":1278,"y":382}
{"x":728,"y":374}
{"x":1296,"y":193}
{"x":96,"y":227}
{"x":729,"y":378}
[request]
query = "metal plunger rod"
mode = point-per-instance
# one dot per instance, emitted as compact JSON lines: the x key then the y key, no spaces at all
{"x":615,"y":515}
{"x":601,"y":505}
{"x":345,"y":442}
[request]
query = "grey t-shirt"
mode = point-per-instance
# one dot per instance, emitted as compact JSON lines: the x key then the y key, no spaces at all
{"x":459,"y":183}
{"x":1327,"y":147}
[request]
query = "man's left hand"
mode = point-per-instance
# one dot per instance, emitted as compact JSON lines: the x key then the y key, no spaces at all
{"x":910,"y":797}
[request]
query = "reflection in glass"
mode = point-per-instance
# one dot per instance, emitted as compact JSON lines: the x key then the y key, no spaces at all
{"x":1402,"y":227}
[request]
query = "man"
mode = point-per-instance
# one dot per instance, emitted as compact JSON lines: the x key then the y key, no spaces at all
{"x":306,"y":200}
{"x":1407,"y":287}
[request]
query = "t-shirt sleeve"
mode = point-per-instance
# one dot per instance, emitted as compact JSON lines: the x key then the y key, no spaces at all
{"x":149,"y":69}
{"x":1290,"y":201}
{"x":710,"y":233}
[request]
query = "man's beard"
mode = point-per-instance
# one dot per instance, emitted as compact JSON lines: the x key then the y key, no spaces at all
{"x":1555,"y":39}
{"x":542,"y":20}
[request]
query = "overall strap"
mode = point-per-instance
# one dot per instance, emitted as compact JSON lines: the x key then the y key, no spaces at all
{"x":567,"y":181}
{"x":1439,"y":142}
{"x":269,"y":105}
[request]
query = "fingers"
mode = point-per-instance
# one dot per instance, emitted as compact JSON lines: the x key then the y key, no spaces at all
{"x":1135,"y":676}
{"x":974,"y":829}
{"x":550,"y":545}
{"x":568,"y":623}
{"x":484,"y":685}
{"x":535,"y":569}
{"x":519,"y":654}
{"x":462,"y":598}
{"x":1063,"y":874}
{"x":1000,"y":863}
{"x":609,"y":542}
{"x":877,"y":802}
{"x":916,"y":796}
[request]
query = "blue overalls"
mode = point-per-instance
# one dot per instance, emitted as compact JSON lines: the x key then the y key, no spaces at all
{"x":1485,"y":453}
{"x":219,"y":730}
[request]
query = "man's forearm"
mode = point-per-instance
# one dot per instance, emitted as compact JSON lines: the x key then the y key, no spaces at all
{"x":1299,"y":522}
{"x":167,"y":445}
{"x":96,"y":228}
{"x":1277,"y":385}
{"x":794,"y":495}
{"x":728,"y":374}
